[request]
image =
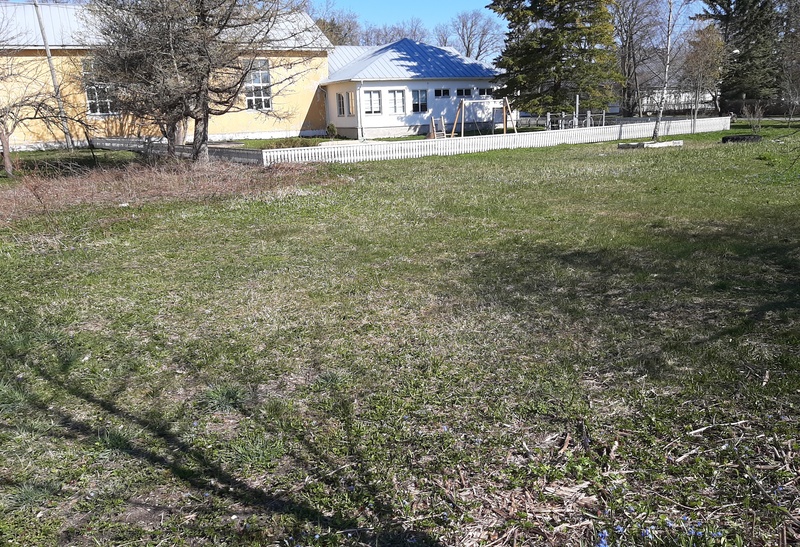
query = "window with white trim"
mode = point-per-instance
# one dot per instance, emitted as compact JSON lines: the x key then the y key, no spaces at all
{"x":485,"y":91}
{"x":419,"y":100}
{"x":340,"y":105}
{"x":441,"y":92}
{"x":99,"y":99}
{"x":372,"y":102}
{"x":465,"y":92}
{"x":257,"y":87}
{"x":396,"y":101}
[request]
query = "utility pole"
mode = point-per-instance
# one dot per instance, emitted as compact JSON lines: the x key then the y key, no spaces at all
{"x":56,"y":86}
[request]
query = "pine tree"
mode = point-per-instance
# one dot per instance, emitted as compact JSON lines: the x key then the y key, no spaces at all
{"x":554,"y":50}
{"x":749,"y":29}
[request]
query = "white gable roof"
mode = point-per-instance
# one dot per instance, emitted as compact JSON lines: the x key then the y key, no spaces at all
{"x":403,"y":60}
{"x":66,"y":27}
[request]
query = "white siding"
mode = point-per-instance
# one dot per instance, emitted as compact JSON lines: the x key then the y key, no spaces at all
{"x":391,"y":124}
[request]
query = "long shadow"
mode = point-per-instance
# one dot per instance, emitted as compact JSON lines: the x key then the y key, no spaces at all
{"x":187,"y":463}
{"x":707,"y":284}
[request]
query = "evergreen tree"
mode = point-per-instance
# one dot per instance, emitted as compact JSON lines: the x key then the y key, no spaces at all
{"x":790,"y":55}
{"x":554,"y":50}
{"x":749,"y":29}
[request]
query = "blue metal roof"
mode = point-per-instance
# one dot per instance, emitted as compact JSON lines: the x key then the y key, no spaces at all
{"x":403,"y":60}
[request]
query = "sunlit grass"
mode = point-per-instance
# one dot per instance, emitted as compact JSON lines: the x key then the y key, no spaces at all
{"x":519,"y":346}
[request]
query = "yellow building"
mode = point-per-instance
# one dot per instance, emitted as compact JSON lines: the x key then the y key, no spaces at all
{"x":27,"y":71}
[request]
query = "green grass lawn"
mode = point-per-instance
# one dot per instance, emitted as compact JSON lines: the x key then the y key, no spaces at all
{"x":529,"y":347}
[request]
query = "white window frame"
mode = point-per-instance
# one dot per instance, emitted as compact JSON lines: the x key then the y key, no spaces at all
{"x":98,"y":100}
{"x":419,"y":98}
{"x":464,"y":92}
{"x":257,"y":94}
{"x":485,"y":91}
{"x":443,"y":93}
{"x":370,"y":98}
{"x":395,"y":106}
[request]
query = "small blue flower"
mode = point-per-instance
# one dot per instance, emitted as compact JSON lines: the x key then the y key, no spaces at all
{"x":619,"y":529}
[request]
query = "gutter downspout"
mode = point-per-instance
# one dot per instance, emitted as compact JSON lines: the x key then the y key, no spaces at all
{"x":56,"y":86}
{"x":358,"y":111}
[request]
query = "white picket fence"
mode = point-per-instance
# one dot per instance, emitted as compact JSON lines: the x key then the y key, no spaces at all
{"x":376,"y":151}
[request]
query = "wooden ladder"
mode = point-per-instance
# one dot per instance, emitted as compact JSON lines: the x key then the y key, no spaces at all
{"x":438,"y":129}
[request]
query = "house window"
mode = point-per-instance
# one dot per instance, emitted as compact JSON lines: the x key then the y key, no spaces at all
{"x":485,"y":91}
{"x":351,"y":103}
{"x":340,"y":105}
{"x":372,"y":102}
{"x":256,"y":88}
{"x":99,"y":99}
{"x":397,"y":101}
{"x":466,"y":92}
{"x":441,"y":92}
{"x":419,"y":100}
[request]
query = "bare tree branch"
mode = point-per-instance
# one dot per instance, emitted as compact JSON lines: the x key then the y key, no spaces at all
{"x":173,"y":59}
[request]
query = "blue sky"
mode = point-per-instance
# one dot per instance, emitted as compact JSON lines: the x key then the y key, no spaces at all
{"x":432,"y":13}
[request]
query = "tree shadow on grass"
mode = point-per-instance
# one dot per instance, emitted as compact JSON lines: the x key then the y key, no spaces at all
{"x":678,"y":291}
{"x":54,"y":394}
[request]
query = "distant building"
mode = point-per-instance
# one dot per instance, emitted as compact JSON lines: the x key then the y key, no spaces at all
{"x":296,"y":110}
{"x":395,"y":90}
{"x":366,"y":92}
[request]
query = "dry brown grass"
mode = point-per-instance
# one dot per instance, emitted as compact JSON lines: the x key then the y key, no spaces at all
{"x":135,"y":184}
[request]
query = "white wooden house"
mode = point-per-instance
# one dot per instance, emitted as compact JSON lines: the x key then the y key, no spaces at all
{"x":395,"y":90}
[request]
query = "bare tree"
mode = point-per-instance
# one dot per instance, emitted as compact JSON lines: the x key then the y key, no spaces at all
{"x":443,"y":35}
{"x":478,"y":35}
{"x":413,"y":29}
{"x":342,"y":27}
{"x":26,"y":95}
{"x":664,"y":44}
{"x":174,"y":59}
{"x":634,"y":24}
{"x":703,"y":63}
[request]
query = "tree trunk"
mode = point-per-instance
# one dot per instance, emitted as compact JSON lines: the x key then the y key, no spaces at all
{"x":181,"y":129}
{"x":200,"y":144}
{"x":175,"y":133}
{"x":8,"y":166}
{"x":169,"y":133}
{"x":667,"y":56}
{"x":201,"y":117}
